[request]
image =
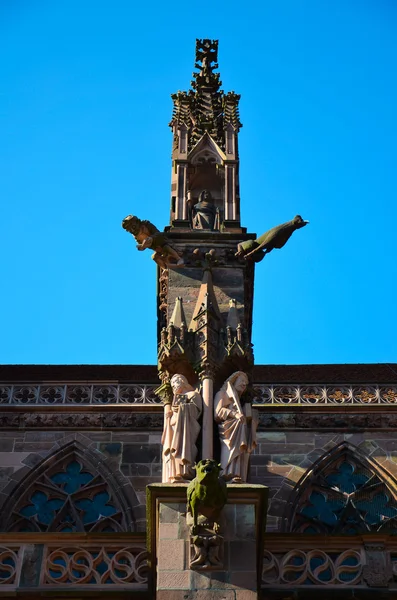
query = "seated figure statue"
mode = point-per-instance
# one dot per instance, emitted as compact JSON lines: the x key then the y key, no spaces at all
{"x":205,"y":214}
{"x":181,"y":429}
{"x":237,"y":431}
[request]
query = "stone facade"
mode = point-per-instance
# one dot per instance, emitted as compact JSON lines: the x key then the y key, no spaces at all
{"x":121,"y":441}
{"x":291,"y":438}
{"x":80,"y":450}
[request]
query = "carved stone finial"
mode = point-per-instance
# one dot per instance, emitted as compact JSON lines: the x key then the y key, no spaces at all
{"x":178,"y":318}
{"x":207,"y":55}
{"x":206,"y":299}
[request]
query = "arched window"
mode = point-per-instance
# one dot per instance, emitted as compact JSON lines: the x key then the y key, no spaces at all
{"x":345,"y":492}
{"x":71,"y":491}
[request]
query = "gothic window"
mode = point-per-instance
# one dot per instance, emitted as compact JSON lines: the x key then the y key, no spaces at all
{"x":67,"y":496}
{"x":345,"y":493}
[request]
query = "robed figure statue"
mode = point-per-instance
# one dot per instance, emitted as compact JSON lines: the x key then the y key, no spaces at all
{"x":181,"y":429}
{"x":205,"y":214}
{"x":237,"y":428}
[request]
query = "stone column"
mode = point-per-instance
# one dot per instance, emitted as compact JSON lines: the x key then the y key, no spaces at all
{"x":181,"y":181}
{"x":230,"y":192}
{"x":237,"y":573}
{"x":207,"y":378}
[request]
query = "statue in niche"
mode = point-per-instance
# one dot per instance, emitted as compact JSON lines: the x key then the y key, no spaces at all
{"x":205,"y":215}
{"x":237,"y":427}
{"x":276,"y":237}
{"x":181,"y":429}
{"x":148,"y":236}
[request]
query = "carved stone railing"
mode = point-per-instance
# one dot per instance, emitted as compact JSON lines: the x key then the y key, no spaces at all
{"x":350,"y":562}
{"x":61,"y":562}
{"x":143,"y":394}
{"x":31,"y":562}
{"x":320,"y":394}
{"x":77,"y":394}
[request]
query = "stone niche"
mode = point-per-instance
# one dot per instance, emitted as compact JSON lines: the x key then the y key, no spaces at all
{"x":235,"y":575}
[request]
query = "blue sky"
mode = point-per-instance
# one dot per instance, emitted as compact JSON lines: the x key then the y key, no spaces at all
{"x":84,"y":106}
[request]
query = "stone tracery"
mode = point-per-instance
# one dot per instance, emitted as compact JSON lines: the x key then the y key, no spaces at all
{"x":67,"y":493}
{"x":345,"y":493}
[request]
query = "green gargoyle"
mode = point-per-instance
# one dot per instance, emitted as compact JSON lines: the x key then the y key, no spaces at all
{"x":206,"y":494}
{"x":276,"y":237}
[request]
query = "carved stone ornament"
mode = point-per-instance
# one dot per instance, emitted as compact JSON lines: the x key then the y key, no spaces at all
{"x":181,"y":429}
{"x":148,"y":236}
{"x":276,"y":237}
{"x":378,"y":571}
{"x":206,"y":551}
{"x":164,"y":391}
{"x":326,"y":421}
{"x":115,"y":420}
{"x":206,"y":497}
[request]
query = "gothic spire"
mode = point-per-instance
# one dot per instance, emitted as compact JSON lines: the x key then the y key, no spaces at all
{"x":206,"y":108}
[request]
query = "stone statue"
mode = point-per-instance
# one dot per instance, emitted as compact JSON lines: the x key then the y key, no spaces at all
{"x":148,"y":236}
{"x":274,"y":238}
{"x":206,"y":494}
{"x":205,"y":214}
{"x":181,"y":429}
{"x":237,"y":428}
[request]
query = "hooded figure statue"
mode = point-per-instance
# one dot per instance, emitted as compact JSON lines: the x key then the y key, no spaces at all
{"x":237,"y":431}
{"x":205,"y":214}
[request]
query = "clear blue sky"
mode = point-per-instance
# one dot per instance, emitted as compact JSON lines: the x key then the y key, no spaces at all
{"x":84,"y":106}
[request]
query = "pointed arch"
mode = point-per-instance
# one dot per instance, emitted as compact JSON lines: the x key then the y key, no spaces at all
{"x":343,"y":492}
{"x":75,"y":488}
{"x":206,"y":150}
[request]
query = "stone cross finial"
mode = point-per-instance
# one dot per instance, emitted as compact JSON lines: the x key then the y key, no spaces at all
{"x":206,"y":53}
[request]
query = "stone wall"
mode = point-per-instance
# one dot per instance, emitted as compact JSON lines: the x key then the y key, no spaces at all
{"x":136,"y":456}
{"x":282,"y":459}
{"x":279,"y":462}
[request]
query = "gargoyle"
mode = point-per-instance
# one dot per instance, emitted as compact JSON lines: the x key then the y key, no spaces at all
{"x":148,"y":236}
{"x":206,"y":494}
{"x":276,"y":237}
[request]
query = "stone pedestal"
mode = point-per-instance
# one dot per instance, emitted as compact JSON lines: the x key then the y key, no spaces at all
{"x":236,"y":573}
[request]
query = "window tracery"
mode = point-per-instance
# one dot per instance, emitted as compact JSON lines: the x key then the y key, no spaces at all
{"x":345,"y":494}
{"x":70,"y":495}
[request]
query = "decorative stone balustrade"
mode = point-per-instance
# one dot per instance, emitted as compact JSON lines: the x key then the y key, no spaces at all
{"x":77,"y":394}
{"x":349,"y":562}
{"x":143,"y":394}
{"x":30,"y":562}
{"x":45,"y":563}
{"x":325,"y":394}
